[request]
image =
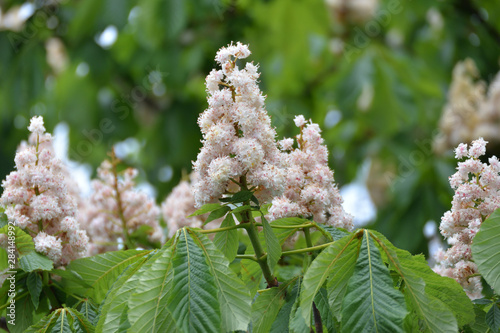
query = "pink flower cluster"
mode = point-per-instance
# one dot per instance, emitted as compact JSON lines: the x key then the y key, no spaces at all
{"x":477,"y":195}
{"x":37,"y":200}
{"x":238,"y":139}
{"x":310,"y":189}
{"x":179,"y":205}
{"x":115,"y":204}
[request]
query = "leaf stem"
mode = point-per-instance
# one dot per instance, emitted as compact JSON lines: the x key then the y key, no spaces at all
{"x":246,"y":256}
{"x":209,"y":231}
{"x":307,"y":249}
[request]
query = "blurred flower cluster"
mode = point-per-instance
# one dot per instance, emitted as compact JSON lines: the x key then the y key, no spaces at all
{"x":116,"y":210}
{"x":472,"y":110}
{"x":38,"y":200}
{"x":477,"y":195}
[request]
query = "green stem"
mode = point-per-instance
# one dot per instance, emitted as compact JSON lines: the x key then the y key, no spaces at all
{"x":309,"y":243}
{"x":249,"y":224}
{"x":246,"y":256}
{"x":299,"y":226}
{"x":307,"y":249}
{"x":209,"y":231}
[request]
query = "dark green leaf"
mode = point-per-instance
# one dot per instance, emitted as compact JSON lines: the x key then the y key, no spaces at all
{"x":194,"y":303}
{"x":206,"y":209}
{"x":234,"y":298}
{"x":227,"y":241}
{"x":267,"y":306}
{"x":101,"y":271}
{"x":273,"y":246}
{"x":371,"y":304}
{"x":241,"y":209}
{"x":338,"y":261}
{"x":89,"y":310}
{"x":486,"y":250}
{"x":334,"y":233}
{"x":72,"y":276}
{"x":35,"y":261}
{"x":216,"y":214}
{"x":241,"y":196}
{"x":493,"y":318}
{"x":34,"y":283}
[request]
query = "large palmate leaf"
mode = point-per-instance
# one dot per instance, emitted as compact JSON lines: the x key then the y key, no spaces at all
{"x":336,"y":260}
{"x":227,"y":241}
{"x":101,"y":271}
{"x":234,"y":298}
{"x":267,"y":306}
{"x":438,"y":303}
{"x":486,"y":250}
{"x":288,"y":227}
{"x":114,"y":310}
{"x":371,"y":303}
{"x":65,"y":320}
{"x":194,"y":304}
{"x":148,"y":304}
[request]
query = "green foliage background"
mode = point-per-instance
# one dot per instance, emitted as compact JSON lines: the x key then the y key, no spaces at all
{"x":291,"y":40}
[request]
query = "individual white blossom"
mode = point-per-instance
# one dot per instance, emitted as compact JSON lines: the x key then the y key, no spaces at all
{"x":238,"y":140}
{"x":38,"y":200}
{"x":477,"y":195}
{"x":115,"y":204}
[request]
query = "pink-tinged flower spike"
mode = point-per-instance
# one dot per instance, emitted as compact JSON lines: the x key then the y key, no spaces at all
{"x":179,"y":205}
{"x":238,"y":139}
{"x":37,"y":199}
{"x":310,"y":188}
{"x":116,"y":209}
{"x":477,"y":195}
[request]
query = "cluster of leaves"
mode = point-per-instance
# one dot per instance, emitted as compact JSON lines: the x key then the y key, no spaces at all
{"x":346,"y":282}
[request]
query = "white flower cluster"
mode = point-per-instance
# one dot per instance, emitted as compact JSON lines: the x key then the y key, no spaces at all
{"x":36,"y":199}
{"x":354,"y":11}
{"x":471,"y":112}
{"x":477,"y":195}
{"x":115,"y":204}
{"x":238,"y":139}
{"x":310,"y":185}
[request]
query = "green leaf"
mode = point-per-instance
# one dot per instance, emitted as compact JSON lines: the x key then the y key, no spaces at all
{"x":282,"y":321}
{"x":101,"y":271}
{"x":234,"y":298}
{"x":479,"y":325}
{"x":326,"y":312}
{"x":241,"y":196}
{"x":24,"y":242}
{"x":273,"y":247}
{"x":241,"y":209}
{"x":65,"y":320}
{"x":334,"y":233}
{"x":267,"y":306}
{"x":371,"y":304}
{"x":251,"y":274}
{"x":194,"y":303}
{"x":24,"y":315}
{"x":297,"y":323}
{"x":4,"y":220}
{"x":436,"y":302}
{"x":283,"y":234}
{"x":148,"y":304}
{"x":34,"y":283}
{"x":227,"y":241}
{"x":216,"y":214}
{"x":89,"y":310}
{"x":206,"y":209}
{"x":493,"y":318}
{"x":35,"y":261}
{"x":71,"y":276}
{"x":486,"y":250}
{"x":113,"y":314}
{"x":340,"y":257}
